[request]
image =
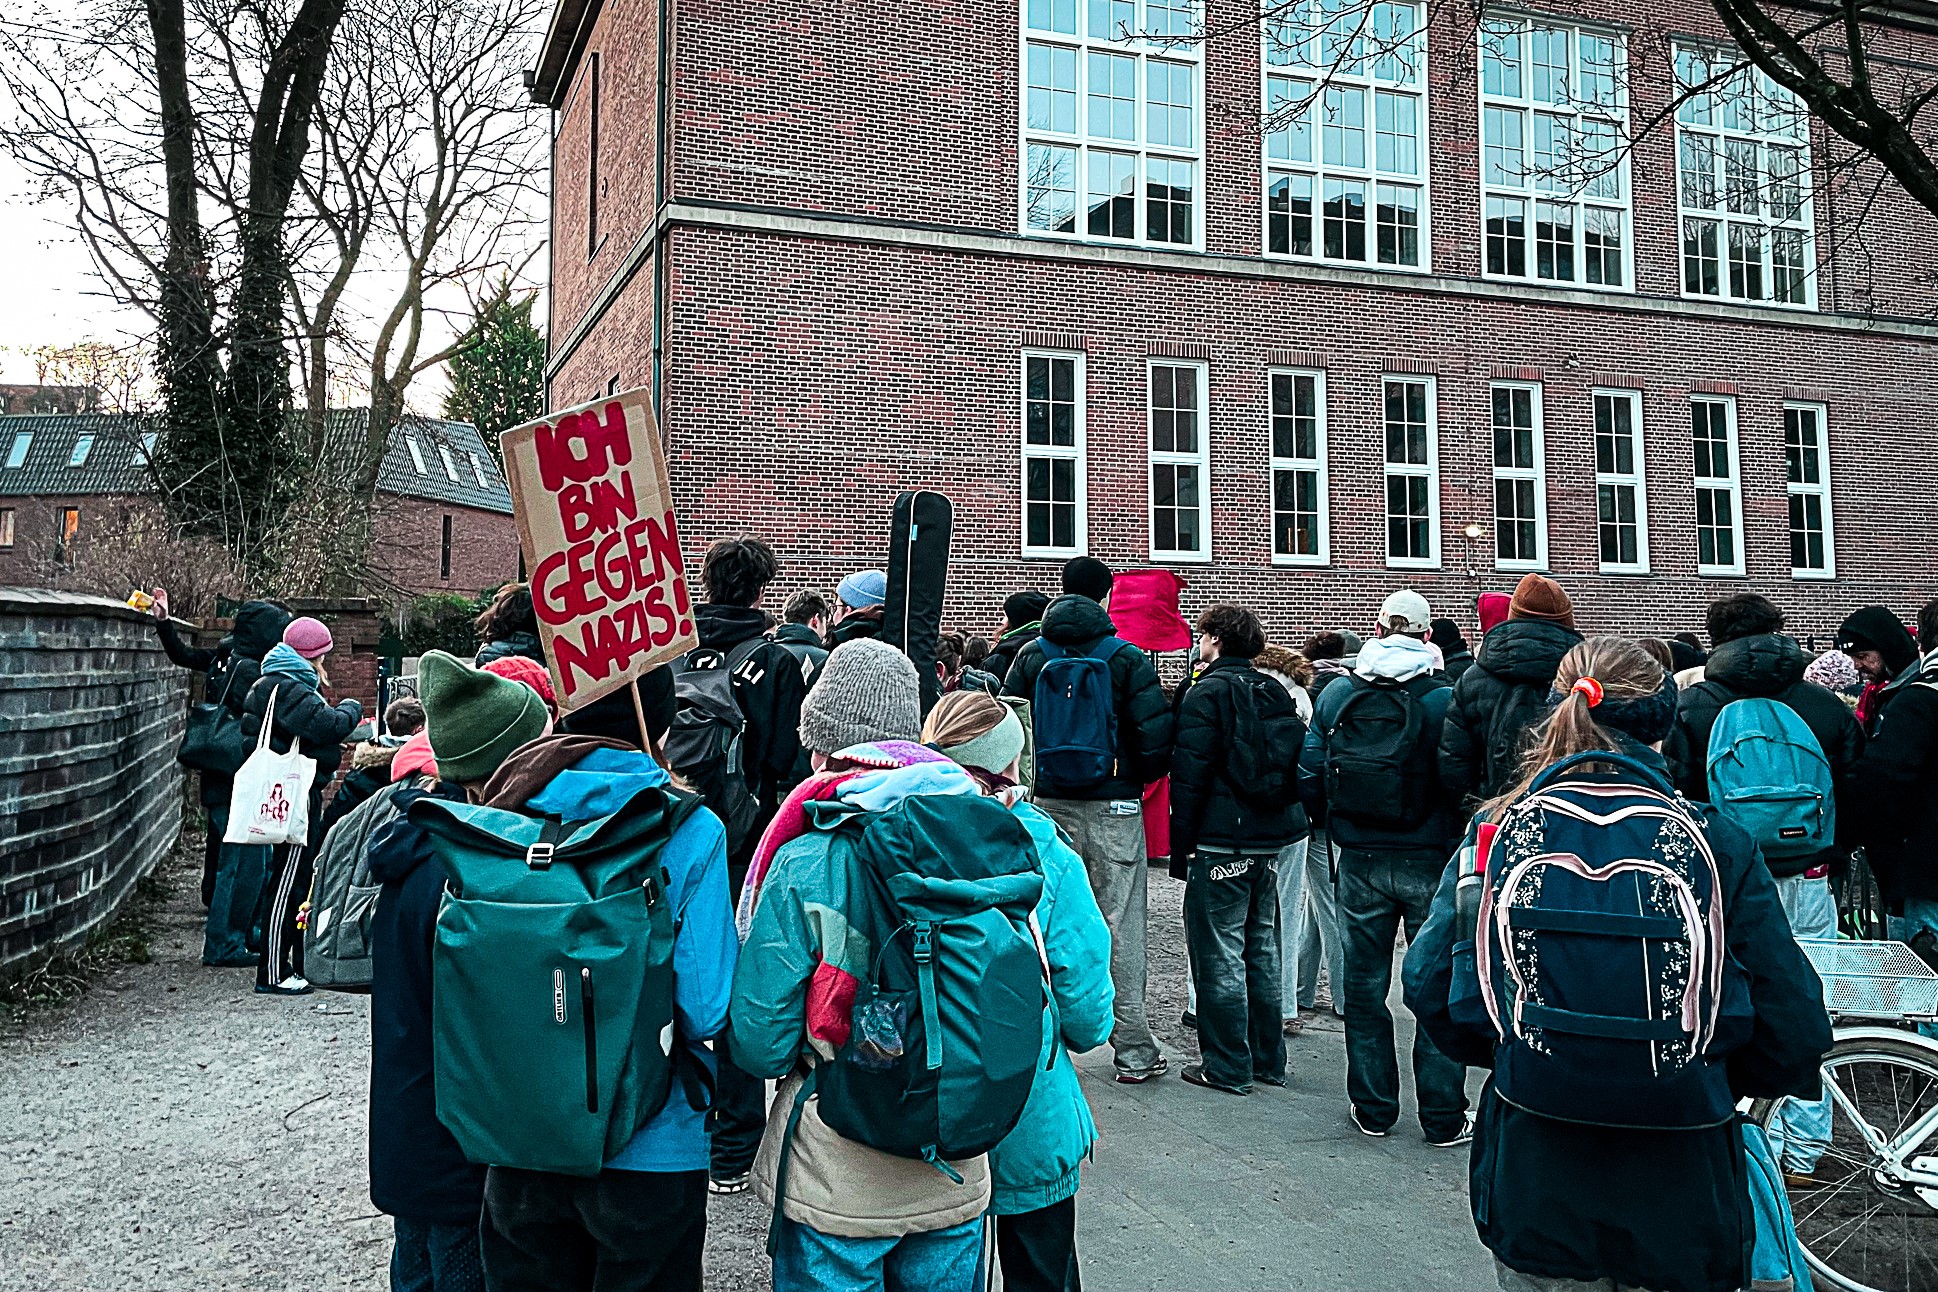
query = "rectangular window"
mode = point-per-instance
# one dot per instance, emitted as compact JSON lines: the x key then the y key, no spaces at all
{"x":1719,"y":521}
{"x":444,"y":552}
{"x":1053,"y":465}
{"x":1619,"y":497}
{"x":83,"y":445}
{"x":1742,"y":179}
{"x":1520,"y":485}
{"x":70,"y":525}
{"x":1412,"y":473}
{"x":592,"y":158}
{"x":1806,"y":451}
{"x":1553,"y":117}
{"x":416,"y":454}
{"x":1180,"y":460}
{"x":148,"y":441}
{"x":1345,"y":117}
{"x":1298,"y":465}
{"x":1112,"y":122}
{"x":450,"y":464}
{"x":478,"y":470}
{"x":6,"y":527}
{"x":17,"y":451}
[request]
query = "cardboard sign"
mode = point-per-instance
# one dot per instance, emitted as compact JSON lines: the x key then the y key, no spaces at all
{"x":595,"y":516}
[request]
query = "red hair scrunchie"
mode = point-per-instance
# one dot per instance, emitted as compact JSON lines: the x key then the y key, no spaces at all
{"x":1589,"y":687}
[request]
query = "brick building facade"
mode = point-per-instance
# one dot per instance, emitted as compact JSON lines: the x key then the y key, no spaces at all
{"x":1293,"y":316}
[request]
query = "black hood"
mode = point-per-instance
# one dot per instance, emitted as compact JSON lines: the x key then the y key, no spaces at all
{"x":1764,"y":664}
{"x":258,"y":627}
{"x":1526,"y":650}
{"x":725,"y":627}
{"x":1074,"y":620}
{"x":800,"y":634}
{"x":394,"y":854}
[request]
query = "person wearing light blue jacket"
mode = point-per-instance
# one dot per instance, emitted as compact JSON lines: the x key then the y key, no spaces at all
{"x":1035,"y":1171}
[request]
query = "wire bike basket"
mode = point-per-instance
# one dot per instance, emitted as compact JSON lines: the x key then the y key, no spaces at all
{"x":1877,"y":980}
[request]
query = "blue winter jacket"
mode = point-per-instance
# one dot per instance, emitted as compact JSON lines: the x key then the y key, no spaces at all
{"x":1037,"y":1164}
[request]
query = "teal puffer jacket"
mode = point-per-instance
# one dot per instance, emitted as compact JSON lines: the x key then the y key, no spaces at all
{"x":1037,"y":1164}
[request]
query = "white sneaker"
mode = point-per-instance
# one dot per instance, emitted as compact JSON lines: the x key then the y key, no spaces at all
{"x":1466,"y":1135}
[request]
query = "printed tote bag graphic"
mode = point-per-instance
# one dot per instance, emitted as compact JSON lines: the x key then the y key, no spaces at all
{"x":271,"y":799}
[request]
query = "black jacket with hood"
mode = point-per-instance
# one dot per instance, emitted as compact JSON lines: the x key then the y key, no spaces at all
{"x":1145,"y":727}
{"x":1769,"y":666}
{"x":519,"y":643}
{"x":805,"y":645}
{"x":769,"y":688}
{"x":229,"y":670}
{"x":1002,"y":656}
{"x":1641,"y":1208}
{"x":1891,"y":798}
{"x":302,"y":715}
{"x":1496,"y":703}
{"x":1206,"y":810}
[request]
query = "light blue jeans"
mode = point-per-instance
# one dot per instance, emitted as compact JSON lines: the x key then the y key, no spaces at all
{"x":1800,"y":1132}
{"x":946,"y":1260}
{"x":1920,"y":913}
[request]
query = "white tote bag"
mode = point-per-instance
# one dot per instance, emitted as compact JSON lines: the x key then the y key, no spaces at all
{"x":271,"y":799}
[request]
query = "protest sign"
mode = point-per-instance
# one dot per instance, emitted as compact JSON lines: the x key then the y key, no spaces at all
{"x":595,"y":516}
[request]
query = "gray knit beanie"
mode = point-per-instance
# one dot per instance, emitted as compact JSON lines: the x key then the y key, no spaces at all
{"x":867,"y":691}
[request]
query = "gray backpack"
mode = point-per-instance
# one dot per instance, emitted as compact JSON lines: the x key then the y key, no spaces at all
{"x":343,"y":899}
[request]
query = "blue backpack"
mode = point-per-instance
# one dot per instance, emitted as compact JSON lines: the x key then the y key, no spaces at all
{"x":1074,"y":710}
{"x":1600,"y":962}
{"x":1768,"y":774}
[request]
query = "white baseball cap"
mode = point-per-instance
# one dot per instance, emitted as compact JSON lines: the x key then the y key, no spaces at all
{"x":1406,"y":611}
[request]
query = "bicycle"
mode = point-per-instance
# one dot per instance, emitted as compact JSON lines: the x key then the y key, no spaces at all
{"x":1867,"y":1212}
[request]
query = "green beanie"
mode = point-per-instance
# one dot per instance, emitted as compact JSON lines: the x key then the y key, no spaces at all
{"x":474,"y":718}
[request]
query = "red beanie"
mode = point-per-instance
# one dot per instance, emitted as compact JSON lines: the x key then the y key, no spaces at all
{"x":516,"y":668}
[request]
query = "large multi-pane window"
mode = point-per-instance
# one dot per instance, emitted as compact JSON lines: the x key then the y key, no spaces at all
{"x":1412,"y":473}
{"x":1806,"y":452}
{"x":1346,"y":132}
{"x":1113,"y":120}
{"x":1180,"y":454}
{"x":1719,"y":518}
{"x":1053,"y":463}
{"x":1520,"y":492}
{"x":1743,"y":176}
{"x":1554,"y":166}
{"x":1299,"y":521}
{"x":1620,"y":500}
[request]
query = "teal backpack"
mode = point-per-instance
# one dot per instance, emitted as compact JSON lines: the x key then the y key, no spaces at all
{"x":949,"y":1023}
{"x":552,"y":980}
{"x":1768,"y":774}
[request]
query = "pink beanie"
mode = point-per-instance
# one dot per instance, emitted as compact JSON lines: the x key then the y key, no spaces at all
{"x":308,"y":637}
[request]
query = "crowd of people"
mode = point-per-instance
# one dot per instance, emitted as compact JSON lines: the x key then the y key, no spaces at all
{"x":821,"y":840}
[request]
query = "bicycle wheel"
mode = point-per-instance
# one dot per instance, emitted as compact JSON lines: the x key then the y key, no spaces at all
{"x":1864,"y":1223}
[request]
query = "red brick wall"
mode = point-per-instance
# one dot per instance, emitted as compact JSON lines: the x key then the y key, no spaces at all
{"x":407,"y":547}
{"x":30,"y":561}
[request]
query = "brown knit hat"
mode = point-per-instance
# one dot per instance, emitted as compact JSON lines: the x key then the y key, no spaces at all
{"x":1536,"y":597}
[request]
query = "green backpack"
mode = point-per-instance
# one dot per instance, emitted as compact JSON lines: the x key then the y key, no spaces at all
{"x":552,"y":979}
{"x":949,"y":1023}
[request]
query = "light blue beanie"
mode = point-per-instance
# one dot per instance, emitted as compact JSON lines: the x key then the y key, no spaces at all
{"x":863,"y":588}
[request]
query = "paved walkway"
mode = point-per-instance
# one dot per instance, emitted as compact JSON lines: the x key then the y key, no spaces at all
{"x":174,"y":1132}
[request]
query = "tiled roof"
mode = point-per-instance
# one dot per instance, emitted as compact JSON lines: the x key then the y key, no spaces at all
{"x":43,"y":462}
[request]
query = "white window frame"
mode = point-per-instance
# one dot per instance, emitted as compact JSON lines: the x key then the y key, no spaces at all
{"x":1538,"y":474}
{"x":1635,"y":479}
{"x":416,"y":454}
{"x":1820,"y":489}
{"x":1530,"y":192}
{"x":478,"y":470}
{"x":1314,"y":465}
{"x":1314,"y":22}
{"x":1072,"y":452}
{"x":1732,"y":484}
{"x":1200,"y":459}
{"x":1182,"y":51}
{"x":1695,"y":63}
{"x":1431,"y":471}
{"x":450,"y":463}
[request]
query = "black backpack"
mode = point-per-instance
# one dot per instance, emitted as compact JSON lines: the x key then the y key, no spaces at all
{"x":1379,"y":766}
{"x":1266,"y":739}
{"x":709,"y":732}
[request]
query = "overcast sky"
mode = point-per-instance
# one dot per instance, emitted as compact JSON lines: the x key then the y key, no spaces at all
{"x":51,"y":297}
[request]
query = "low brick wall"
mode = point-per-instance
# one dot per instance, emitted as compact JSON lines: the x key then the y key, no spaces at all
{"x":91,"y":713}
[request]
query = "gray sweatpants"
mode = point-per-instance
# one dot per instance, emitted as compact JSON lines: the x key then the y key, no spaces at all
{"x":1109,"y":836}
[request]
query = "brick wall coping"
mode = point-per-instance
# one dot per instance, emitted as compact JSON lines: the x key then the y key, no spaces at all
{"x":29,"y":600}
{"x":790,"y":222}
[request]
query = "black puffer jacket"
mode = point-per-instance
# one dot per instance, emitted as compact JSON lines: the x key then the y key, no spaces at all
{"x":1891,"y":796}
{"x":1646,"y":1209}
{"x":525,"y":644}
{"x":229,"y":670}
{"x":1206,"y":810}
{"x":769,"y":688}
{"x":1770,"y":666}
{"x":1145,"y":727}
{"x":1496,"y":703}
{"x":1002,"y":656}
{"x":302,"y":714}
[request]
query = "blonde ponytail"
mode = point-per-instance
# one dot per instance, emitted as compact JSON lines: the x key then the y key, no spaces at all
{"x":1614,"y":669}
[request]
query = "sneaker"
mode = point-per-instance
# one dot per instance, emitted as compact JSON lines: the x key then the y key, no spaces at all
{"x":1151,"y":1073}
{"x":1195,"y":1075}
{"x":1465,"y":1135}
{"x":294,"y":985}
{"x":730,"y":1184}
{"x":1359,"y":1124}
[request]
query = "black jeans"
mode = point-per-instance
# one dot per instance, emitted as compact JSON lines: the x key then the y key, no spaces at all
{"x":739,"y":1115}
{"x":617,"y":1231}
{"x":1231,"y":931}
{"x":1038,"y":1249}
{"x":291,"y":870}
{"x":1376,"y":894}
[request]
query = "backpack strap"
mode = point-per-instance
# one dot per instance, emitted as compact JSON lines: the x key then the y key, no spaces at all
{"x":1648,"y":775}
{"x":801,"y":1096}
